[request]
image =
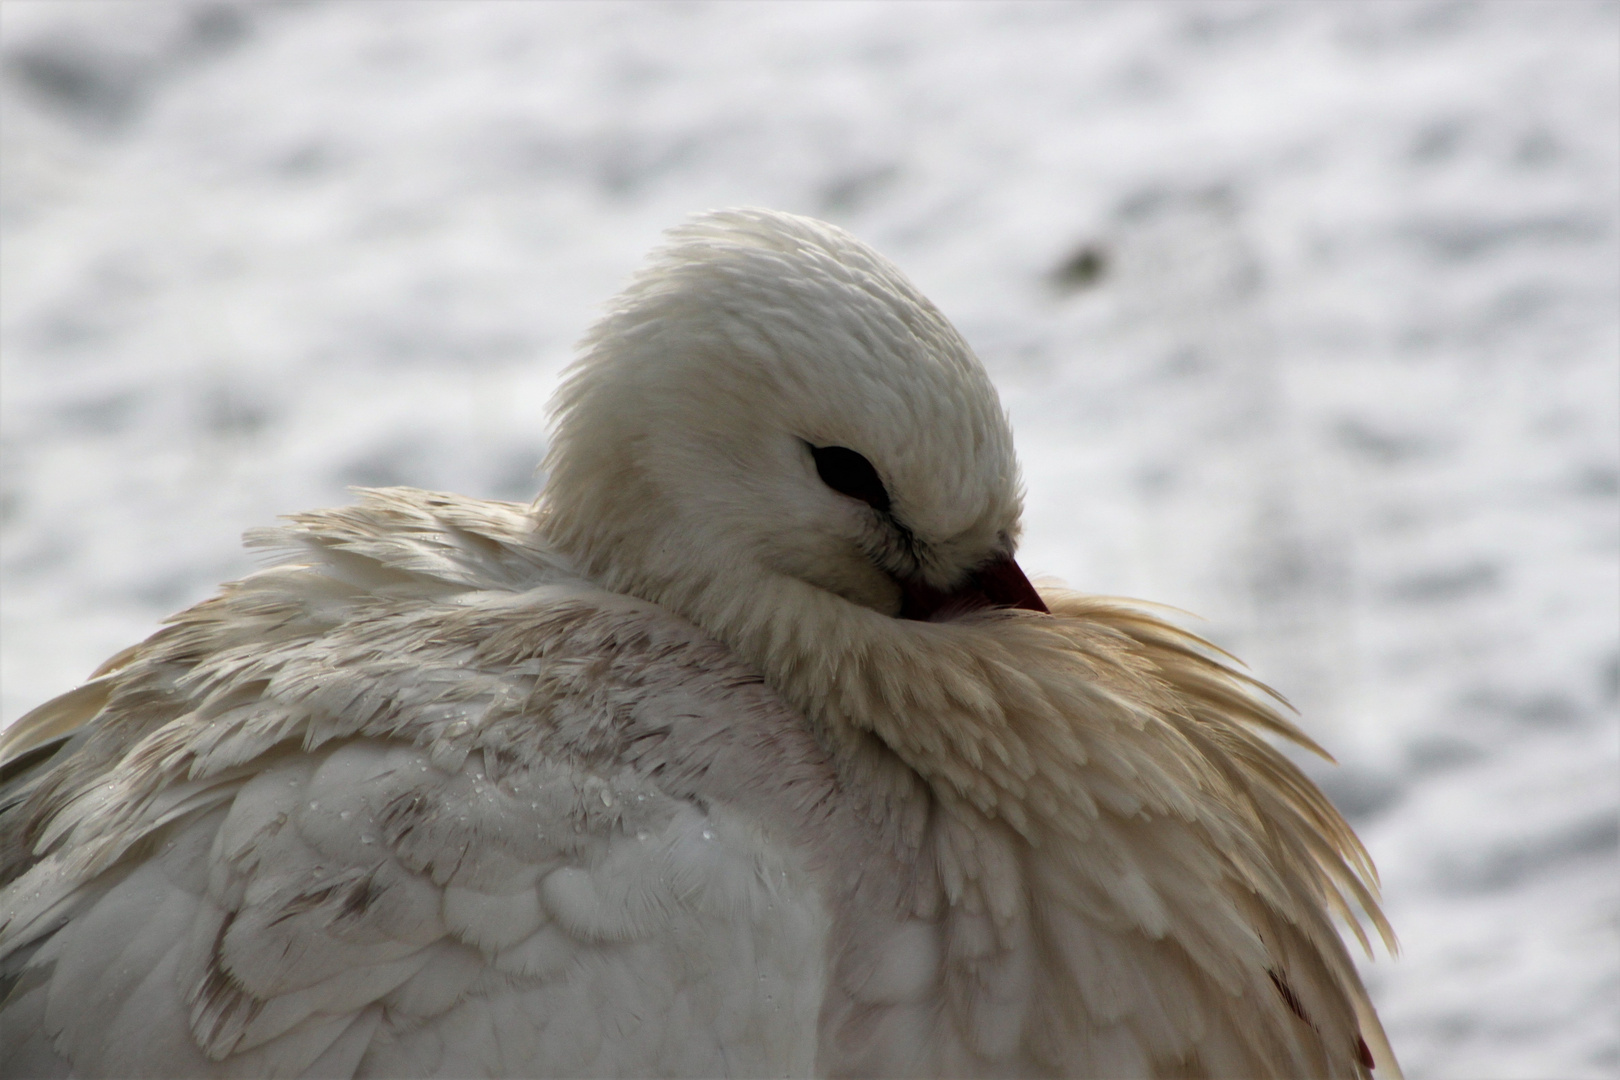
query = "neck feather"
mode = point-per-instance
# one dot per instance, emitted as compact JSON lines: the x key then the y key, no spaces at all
{"x":1052,"y":724}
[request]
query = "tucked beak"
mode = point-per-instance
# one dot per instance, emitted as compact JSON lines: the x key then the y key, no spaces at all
{"x":997,"y":584}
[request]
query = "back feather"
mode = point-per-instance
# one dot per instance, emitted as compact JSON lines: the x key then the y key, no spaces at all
{"x":419,"y":801}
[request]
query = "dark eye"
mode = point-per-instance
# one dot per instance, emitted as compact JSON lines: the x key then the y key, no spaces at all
{"x":848,"y":473}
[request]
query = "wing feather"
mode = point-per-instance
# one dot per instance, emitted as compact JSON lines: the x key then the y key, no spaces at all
{"x":416,"y":801}
{"x":378,"y":810}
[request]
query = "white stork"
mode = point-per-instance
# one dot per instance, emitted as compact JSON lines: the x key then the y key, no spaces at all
{"x":747,"y":750}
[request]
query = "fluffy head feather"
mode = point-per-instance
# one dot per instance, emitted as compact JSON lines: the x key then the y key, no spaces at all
{"x":682,"y":459}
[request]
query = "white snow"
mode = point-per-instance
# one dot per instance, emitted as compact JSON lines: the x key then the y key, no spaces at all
{"x":1346,"y":378}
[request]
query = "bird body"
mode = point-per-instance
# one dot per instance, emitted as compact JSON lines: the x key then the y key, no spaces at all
{"x":746,"y":750}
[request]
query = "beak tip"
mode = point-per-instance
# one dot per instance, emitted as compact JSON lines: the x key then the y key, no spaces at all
{"x":998,"y":584}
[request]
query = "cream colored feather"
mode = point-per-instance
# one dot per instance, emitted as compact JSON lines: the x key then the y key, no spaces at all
{"x":649,"y":779}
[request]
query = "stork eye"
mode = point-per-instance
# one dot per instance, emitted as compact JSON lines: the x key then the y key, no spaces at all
{"x":850,"y":474}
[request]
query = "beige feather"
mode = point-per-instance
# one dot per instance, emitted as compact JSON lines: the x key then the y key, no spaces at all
{"x":649,"y":778}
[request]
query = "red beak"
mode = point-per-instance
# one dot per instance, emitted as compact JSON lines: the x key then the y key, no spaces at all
{"x":996,"y":584}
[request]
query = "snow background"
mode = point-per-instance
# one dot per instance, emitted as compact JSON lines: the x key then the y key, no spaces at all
{"x":1307,"y":316}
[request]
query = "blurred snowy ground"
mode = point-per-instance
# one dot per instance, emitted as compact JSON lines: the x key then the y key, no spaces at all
{"x":1306,"y":316}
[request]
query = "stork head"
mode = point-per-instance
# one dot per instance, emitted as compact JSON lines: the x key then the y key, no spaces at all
{"x":771,"y":399}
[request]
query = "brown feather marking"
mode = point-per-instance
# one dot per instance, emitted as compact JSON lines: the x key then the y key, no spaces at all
{"x":1287,"y":993}
{"x":220,"y":1010}
{"x":1363,"y":1052}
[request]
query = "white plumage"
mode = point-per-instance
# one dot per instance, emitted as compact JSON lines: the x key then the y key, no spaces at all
{"x":745,"y":751}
